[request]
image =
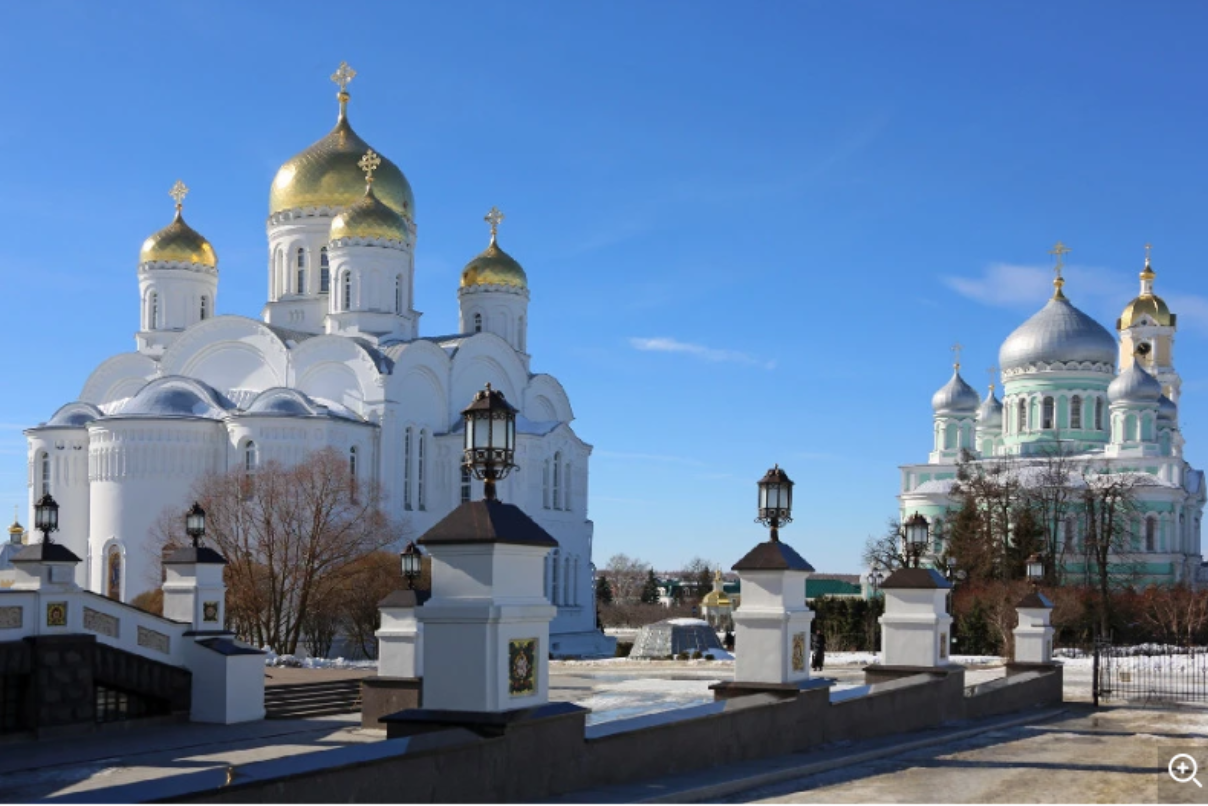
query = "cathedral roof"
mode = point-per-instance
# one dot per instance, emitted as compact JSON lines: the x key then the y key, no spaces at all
{"x":369,"y":218}
{"x":989,"y":414}
{"x":493,"y":266}
{"x":1146,"y":304}
{"x":1057,"y":333}
{"x":326,"y":174}
{"x":1168,"y":410}
{"x":955,"y":397}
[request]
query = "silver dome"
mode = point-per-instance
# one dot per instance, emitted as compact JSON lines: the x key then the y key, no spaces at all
{"x":955,"y":397}
{"x":174,"y":396}
{"x":1134,"y":385}
{"x":989,"y":415}
{"x":1058,"y":332}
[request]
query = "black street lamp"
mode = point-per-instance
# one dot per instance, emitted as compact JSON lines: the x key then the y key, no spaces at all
{"x":412,"y":560}
{"x":490,"y":445}
{"x":46,"y":517}
{"x":195,"y":524}
{"x":1034,"y":566}
{"x":875,"y":578}
{"x":775,"y":500}
{"x":916,"y":528}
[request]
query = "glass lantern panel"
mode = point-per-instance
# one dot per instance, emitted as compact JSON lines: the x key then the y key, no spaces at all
{"x":482,"y":434}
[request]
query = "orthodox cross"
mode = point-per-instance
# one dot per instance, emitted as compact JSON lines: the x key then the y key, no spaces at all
{"x":343,"y":75}
{"x":1060,"y":250}
{"x":956,"y":352}
{"x":178,"y":192}
{"x":1147,"y":248}
{"x":493,"y":217}
{"x":369,"y":163}
{"x":992,"y":371}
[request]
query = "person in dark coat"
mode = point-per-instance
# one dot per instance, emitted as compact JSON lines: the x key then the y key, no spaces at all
{"x":728,"y":641}
{"x":819,"y":651}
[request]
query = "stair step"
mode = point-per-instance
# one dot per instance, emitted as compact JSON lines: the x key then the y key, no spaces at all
{"x":303,"y":712}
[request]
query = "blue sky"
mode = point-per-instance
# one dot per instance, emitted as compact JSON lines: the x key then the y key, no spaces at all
{"x":751,"y":231}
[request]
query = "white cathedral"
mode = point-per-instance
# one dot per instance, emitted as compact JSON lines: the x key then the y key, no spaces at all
{"x":336,"y":360}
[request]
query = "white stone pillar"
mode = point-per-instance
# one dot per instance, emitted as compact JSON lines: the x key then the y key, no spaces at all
{"x":916,"y":629}
{"x":400,"y":639}
{"x":772,"y":623}
{"x":194,"y":591}
{"x":486,"y":627}
{"x":1034,"y":635}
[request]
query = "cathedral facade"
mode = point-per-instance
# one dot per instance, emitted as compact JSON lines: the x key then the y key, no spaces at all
{"x":1110,"y":403}
{"x":336,"y":360}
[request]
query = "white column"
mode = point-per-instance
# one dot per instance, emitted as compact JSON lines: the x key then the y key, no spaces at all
{"x":916,"y":629}
{"x":772,"y":625}
{"x":1034,"y":635}
{"x":400,"y":639}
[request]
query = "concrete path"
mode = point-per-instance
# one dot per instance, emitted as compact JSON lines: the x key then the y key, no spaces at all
{"x":1071,"y":755}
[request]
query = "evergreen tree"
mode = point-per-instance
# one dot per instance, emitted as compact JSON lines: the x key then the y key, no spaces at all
{"x":650,"y":590}
{"x":603,"y":591}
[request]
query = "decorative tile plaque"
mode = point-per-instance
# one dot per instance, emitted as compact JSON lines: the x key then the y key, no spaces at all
{"x":153,"y":640}
{"x":522,"y":667}
{"x":799,"y":652}
{"x":102,"y":623}
{"x":209,"y":611}
{"x":56,"y":614}
{"x":943,"y":646}
{"x":11,"y":617}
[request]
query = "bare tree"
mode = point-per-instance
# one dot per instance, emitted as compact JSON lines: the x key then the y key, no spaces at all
{"x":1109,"y":503}
{"x":1052,"y":496}
{"x":286,"y":534}
{"x":698,"y":574}
{"x":627,"y":576}
{"x":885,"y":552}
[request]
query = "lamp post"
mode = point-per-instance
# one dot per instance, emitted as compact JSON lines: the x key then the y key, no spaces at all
{"x":916,"y":529}
{"x":1034,"y":566}
{"x":875,"y":578}
{"x":195,"y":524}
{"x":775,"y":501}
{"x":412,"y":560}
{"x":490,"y":445}
{"x":46,"y":517}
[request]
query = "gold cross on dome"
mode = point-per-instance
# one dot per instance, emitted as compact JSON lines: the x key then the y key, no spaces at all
{"x":1148,"y":246}
{"x":1060,"y":250}
{"x":956,"y":352}
{"x":493,"y":217}
{"x":369,"y":163}
{"x":178,"y":192}
{"x":992,"y":371}
{"x":343,"y":75}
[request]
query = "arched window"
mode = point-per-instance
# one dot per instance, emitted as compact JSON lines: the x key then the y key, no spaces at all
{"x":522,"y":336}
{"x":567,"y":581}
{"x":557,"y":481}
{"x":352,"y":472}
{"x":153,"y":311}
{"x":1151,"y":534}
{"x":346,"y":291}
{"x":545,"y":485}
{"x":113,"y":587}
{"x":324,"y":272}
{"x":407,"y":468}
{"x":555,"y":577}
{"x":249,"y":467}
{"x":566,"y":487}
{"x":465,"y":484}
{"x":1047,"y":416}
{"x":477,"y":323}
{"x":398,"y":294}
{"x":1021,"y":421}
{"x":1098,"y":414}
{"x":44,"y":462}
{"x":1076,"y":412}
{"x":205,"y":307}
{"x":419,"y":471}
{"x":300,"y":288}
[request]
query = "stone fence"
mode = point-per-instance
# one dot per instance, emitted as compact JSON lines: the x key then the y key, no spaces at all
{"x":549,"y":751}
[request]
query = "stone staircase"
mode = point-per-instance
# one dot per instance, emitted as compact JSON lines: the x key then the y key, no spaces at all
{"x":306,"y":700}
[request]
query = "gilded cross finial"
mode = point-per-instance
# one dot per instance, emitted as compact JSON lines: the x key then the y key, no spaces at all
{"x":178,"y":192}
{"x":493,"y":217}
{"x":342,"y":76}
{"x":369,"y":163}
{"x":956,"y":353}
{"x":1060,"y":251}
{"x":1147,"y":248}
{"x":992,"y":371}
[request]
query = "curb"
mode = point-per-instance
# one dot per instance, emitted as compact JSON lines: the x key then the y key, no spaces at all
{"x":713,"y":792}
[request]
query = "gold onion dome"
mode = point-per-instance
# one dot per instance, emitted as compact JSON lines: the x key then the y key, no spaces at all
{"x":368,"y":217}
{"x":325,"y":175}
{"x":493,"y":266}
{"x":1147,"y":303}
{"x":178,"y":242}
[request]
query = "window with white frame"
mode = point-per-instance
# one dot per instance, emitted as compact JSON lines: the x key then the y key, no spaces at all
{"x":419,"y":472}
{"x":477,"y":323}
{"x":398,"y":294}
{"x":407,"y":468}
{"x":545,"y":484}
{"x":1048,"y":415}
{"x":566,"y":487}
{"x":1098,"y":414}
{"x":1151,"y":533}
{"x":557,"y":482}
{"x":44,"y":469}
{"x":324,"y":272}
{"x":346,"y":291}
{"x":1021,"y":420}
{"x":1076,"y":412}
{"x":205,"y":307}
{"x":153,"y":311}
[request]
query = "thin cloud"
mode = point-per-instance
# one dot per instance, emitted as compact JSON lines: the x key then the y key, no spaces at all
{"x":665,"y":344}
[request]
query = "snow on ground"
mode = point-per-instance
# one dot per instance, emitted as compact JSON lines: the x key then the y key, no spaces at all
{"x":628,"y":698}
{"x":271,"y":658}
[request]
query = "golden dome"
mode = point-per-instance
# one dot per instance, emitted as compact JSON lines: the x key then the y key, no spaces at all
{"x":368,"y":217}
{"x":715,"y":599}
{"x":1146,"y":304}
{"x":494,"y":266}
{"x":178,"y":241}
{"x":326,"y":175}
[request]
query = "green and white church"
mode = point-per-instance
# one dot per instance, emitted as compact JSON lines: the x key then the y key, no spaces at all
{"x":1061,"y":389}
